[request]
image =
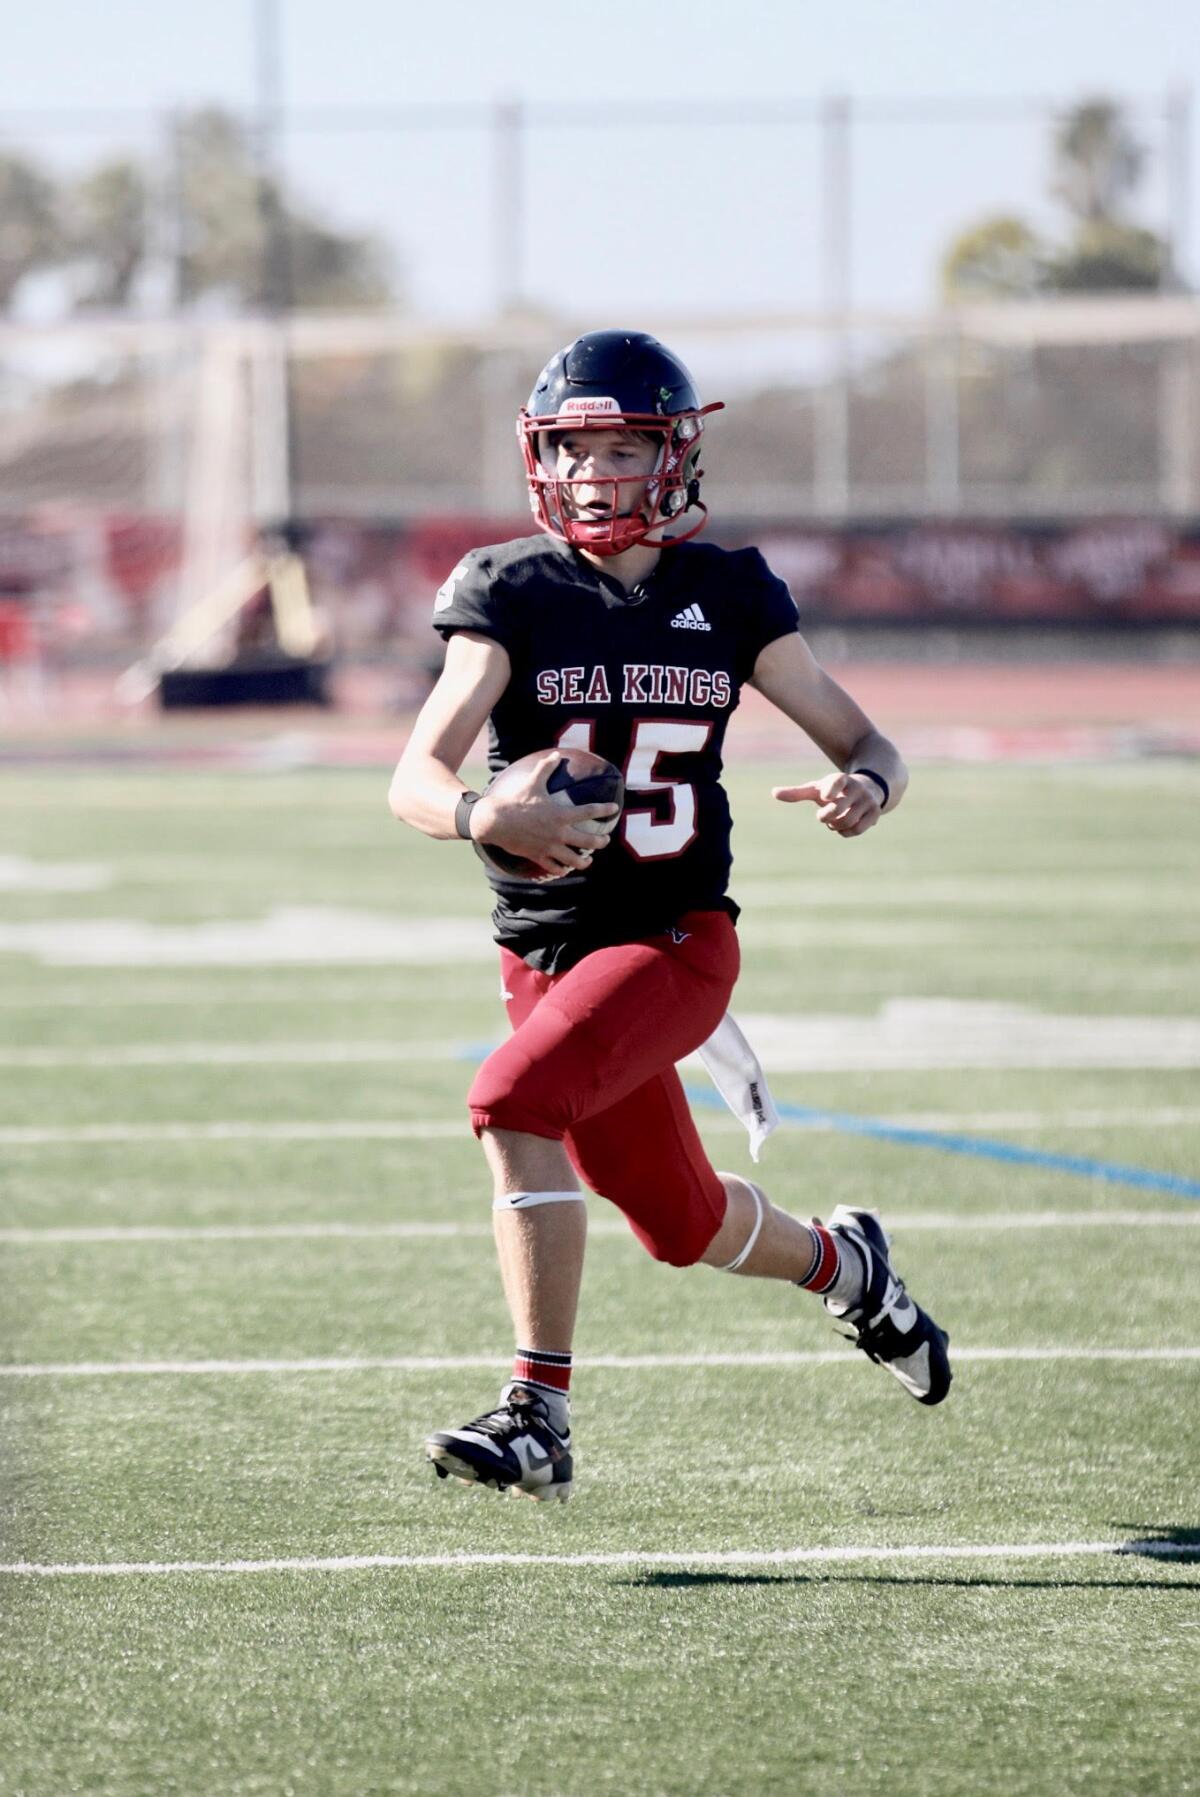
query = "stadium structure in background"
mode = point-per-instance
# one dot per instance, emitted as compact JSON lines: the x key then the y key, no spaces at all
{"x":1032,"y":463}
{"x":163,"y":461}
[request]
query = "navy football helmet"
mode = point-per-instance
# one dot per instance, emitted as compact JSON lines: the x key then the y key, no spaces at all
{"x":616,"y":380}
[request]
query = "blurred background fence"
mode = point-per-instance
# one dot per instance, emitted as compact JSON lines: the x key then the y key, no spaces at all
{"x":964,"y":381}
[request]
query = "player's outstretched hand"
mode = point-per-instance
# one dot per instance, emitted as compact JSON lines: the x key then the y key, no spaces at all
{"x":530,"y":821}
{"x":847,"y":804}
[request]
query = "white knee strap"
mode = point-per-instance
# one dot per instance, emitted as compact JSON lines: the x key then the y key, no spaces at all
{"x":527,"y":1200}
{"x":759,"y":1213}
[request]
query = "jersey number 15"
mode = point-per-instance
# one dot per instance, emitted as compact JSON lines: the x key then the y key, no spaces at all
{"x":648,"y":835}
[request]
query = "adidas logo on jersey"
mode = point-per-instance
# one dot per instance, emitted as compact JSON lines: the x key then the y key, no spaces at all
{"x":690,"y":618}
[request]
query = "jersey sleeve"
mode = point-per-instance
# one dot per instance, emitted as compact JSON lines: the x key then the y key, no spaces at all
{"x":472,"y":597}
{"x":769,"y":611}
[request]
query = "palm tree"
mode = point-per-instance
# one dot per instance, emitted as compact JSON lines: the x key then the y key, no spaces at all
{"x":1098,"y":162}
{"x":1098,"y":165}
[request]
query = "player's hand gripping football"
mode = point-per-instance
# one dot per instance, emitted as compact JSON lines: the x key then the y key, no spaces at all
{"x":527,"y":820}
{"x":847,"y":804}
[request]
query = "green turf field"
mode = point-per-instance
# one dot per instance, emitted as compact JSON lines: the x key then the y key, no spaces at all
{"x":211,"y":1167}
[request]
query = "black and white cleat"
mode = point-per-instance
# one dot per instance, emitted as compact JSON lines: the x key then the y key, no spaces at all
{"x":889,"y":1327}
{"x":513,"y":1448}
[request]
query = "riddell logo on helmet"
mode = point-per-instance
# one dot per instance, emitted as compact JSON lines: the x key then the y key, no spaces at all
{"x":590,"y":405}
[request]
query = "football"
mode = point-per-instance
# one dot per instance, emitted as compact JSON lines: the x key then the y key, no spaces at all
{"x":580,"y":778}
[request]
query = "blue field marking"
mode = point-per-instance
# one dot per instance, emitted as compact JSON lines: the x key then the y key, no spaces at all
{"x":981,"y":1147}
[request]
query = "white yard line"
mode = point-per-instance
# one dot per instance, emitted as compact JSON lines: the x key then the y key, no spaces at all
{"x":117,"y":1234}
{"x":413,"y":1363}
{"x":239,"y":1054}
{"x":904,"y":1035}
{"x":384,"y":1129}
{"x":1115,"y":1117}
{"x":288,"y":987}
{"x":20,"y":1136}
{"x":784,"y":1556}
{"x":291,"y":935}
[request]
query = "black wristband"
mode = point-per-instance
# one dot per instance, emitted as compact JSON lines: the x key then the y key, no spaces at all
{"x":879,"y":780}
{"x":462,"y":813}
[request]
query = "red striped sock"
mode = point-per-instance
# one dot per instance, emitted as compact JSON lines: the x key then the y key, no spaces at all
{"x":542,"y":1370}
{"x":827,"y":1260}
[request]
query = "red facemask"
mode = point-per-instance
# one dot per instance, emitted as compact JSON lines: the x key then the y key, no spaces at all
{"x":670,"y":489}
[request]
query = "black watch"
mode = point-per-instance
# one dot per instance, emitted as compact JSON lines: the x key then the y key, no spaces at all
{"x":462,"y":813}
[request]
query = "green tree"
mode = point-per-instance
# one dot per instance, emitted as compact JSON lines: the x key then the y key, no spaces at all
{"x":1098,"y":162}
{"x":1097,"y":167}
{"x":107,"y":222}
{"x":243,"y":238}
{"x":235,"y":233}
{"x":31,"y":236}
{"x":999,"y":258}
{"x":1108,"y":257}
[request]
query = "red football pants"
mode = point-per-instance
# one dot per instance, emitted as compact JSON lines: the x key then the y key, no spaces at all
{"x":591,"y":1063}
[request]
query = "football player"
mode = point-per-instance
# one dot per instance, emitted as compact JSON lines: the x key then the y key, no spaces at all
{"x":611,"y":630}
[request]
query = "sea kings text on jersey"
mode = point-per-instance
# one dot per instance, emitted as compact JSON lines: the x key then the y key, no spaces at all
{"x":647,"y":683}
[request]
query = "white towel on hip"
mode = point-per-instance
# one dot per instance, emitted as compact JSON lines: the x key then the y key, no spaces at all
{"x":736,"y":1072}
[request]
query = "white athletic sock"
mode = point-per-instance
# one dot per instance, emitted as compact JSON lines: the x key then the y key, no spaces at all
{"x":850,"y":1284}
{"x":558,"y":1404}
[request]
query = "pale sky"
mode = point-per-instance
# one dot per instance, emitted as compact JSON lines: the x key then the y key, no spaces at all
{"x":632,"y":219}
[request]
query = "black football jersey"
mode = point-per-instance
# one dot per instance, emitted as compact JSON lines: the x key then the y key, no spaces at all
{"x":648,"y":680}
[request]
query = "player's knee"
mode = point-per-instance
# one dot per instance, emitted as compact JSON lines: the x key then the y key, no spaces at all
{"x":504,"y":1098}
{"x":681,"y":1242}
{"x":683,"y":1221}
{"x":668,"y":1254}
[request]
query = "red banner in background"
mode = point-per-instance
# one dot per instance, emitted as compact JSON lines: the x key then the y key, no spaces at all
{"x":106,"y":585}
{"x":1100,"y":571}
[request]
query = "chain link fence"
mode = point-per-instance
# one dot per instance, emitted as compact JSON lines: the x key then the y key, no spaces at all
{"x":1057,"y":408}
